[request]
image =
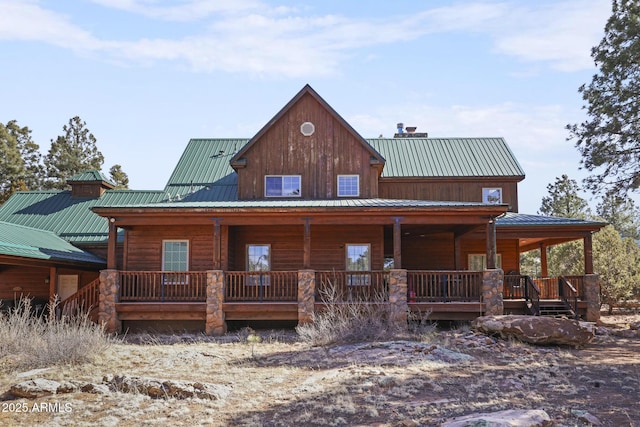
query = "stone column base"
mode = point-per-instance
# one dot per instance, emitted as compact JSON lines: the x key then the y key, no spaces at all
{"x":108,"y":297}
{"x":306,"y":295}
{"x":592,"y":295}
{"x":215,"y":322}
{"x":492,"y":288}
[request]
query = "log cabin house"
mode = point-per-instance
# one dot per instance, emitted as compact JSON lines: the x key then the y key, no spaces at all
{"x":260,"y":228}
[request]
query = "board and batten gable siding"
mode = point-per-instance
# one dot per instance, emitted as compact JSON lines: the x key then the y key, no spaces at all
{"x":332,"y":150}
{"x":443,"y":189}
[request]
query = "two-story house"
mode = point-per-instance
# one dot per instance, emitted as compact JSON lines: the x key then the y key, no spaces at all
{"x":257,"y":229}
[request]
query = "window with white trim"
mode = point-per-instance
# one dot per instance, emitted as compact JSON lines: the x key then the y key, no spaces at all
{"x":348,"y":185}
{"x":478,"y":262}
{"x":358,"y":258}
{"x":258,"y":260}
{"x":175,"y":258}
{"x":492,"y":195}
{"x":282,"y":186}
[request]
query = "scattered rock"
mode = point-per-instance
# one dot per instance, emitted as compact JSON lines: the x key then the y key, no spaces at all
{"x":586,"y":417}
{"x":35,"y":388}
{"x":32,"y":373}
{"x":634,"y":326}
{"x":95,"y":388}
{"x":508,"y":418}
{"x":159,"y":389}
{"x":537,"y":329}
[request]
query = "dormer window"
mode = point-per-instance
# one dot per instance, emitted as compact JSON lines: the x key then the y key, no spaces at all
{"x":492,"y":195}
{"x":282,"y":186}
{"x":348,"y":185}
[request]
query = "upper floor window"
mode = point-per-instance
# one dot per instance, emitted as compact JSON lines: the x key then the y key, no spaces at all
{"x":348,"y":185}
{"x":282,"y":186}
{"x":492,"y":195}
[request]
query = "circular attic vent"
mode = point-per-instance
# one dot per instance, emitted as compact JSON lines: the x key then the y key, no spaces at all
{"x":307,"y":128}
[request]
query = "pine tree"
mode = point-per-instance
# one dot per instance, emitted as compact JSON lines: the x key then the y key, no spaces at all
{"x":71,"y":153}
{"x":119,"y":177}
{"x":609,"y":140}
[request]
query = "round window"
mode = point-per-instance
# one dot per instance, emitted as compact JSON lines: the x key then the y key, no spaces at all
{"x":307,"y":128}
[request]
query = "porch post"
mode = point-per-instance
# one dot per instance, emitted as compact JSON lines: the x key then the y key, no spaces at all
{"x":215,"y":322}
{"x":491,"y":244}
{"x":397,"y":243}
{"x":592,"y":294}
{"x":544,"y":265}
{"x":112,"y":263}
{"x":108,"y":298}
{"x":217,"y":261}
{"x":306,"y":295}
{"x":53,"y":278}
{"x":398,"y":296}
{"x":306,"y":251}
{"x":588,"y":254}
{"x":492,"y":288}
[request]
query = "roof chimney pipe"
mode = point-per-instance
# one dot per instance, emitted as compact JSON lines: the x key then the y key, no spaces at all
{"x":400,"y":127}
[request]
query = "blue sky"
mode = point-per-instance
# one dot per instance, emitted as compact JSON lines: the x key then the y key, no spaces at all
{"x":148,"y":75}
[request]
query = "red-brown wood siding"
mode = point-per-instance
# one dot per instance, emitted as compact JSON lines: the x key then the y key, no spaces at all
{"x":431,"y":252}
{"x":283,"y":150}
{"x":34,"y":281}
{"x":327,"y":245}
{"x":508,"y":249}
{"x":144,"y":246}
{"x":447,"y":190}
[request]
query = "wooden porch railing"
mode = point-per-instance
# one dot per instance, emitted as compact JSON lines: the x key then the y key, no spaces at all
{"x":83,"y":301}
{"x":532,"y":295}
{"x":261,"y":286}
{"x":370,"y":286}
{"x":578,"y":283}
{"x":444,"y":286}
{"x":163,"y":286}
{"x":548,"y":286}
{"x":568,"y":294}
{"x":515,"y":286}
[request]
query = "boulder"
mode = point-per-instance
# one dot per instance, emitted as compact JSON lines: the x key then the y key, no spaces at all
{"x":35,"y":388}
{"x":508,"y":418}
{"x":537,"y":329}
{"x":158,"y":389}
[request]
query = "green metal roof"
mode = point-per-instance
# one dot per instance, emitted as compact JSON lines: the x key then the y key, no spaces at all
{"x":70,"y":218}
{"x":447,"y":157}
{"x":513,"y":219}
{"x":203,"y":171}
{"x":302,"y":203}
{"x":27,"y":242}
{"x":90,"y":175}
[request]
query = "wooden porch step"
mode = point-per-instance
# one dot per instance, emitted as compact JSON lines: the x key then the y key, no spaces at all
{"x":555,"y":308}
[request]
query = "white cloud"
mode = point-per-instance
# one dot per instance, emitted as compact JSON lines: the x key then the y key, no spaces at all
{"x":253,"y":37}
{"x":189,"y":10}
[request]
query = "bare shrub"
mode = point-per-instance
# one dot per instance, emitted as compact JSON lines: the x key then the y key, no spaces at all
{"x":353,"y":320}
{"x":31,"y":341}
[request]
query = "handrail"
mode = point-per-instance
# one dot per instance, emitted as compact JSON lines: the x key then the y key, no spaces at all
{"x":83,"y":301}
{"x":569,"y":295}
{"x":259,"y":286}
{"x":340,"y":286}
{"x":532,"y":295}
{"x":163,"y":286}
{"x":444,"y":286}
{"x":515,"y":286}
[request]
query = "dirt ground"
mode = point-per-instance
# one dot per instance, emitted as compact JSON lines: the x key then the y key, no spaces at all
{"x":282,"y":382}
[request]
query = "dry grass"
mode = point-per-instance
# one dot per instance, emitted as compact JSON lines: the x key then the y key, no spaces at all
{"x":284,"y":382}
{"x":32,"y":341}
{"x":350,"y":321}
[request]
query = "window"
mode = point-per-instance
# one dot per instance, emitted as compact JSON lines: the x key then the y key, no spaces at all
{"x":348,"y":185}
{"x":358,"y":259}
{"x":258,"y":259}
{"x":282,"y":186}
{"x":492,"y":195}
{"x":175,"y":257}
{"x":478,"y":262}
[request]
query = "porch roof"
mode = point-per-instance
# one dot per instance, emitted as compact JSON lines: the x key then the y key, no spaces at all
{"x":512,"y":219}
{"x":27,"y":242}
{"x":302,"y":203}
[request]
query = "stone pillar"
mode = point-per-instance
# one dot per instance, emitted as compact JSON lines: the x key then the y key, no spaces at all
{"x":492,"y":288}
{"x":215,"y":323}
{"x":398,"y":296}
{"x":592,"y":295}
{"x":306,"y":295}
{"x":107,"y":299}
